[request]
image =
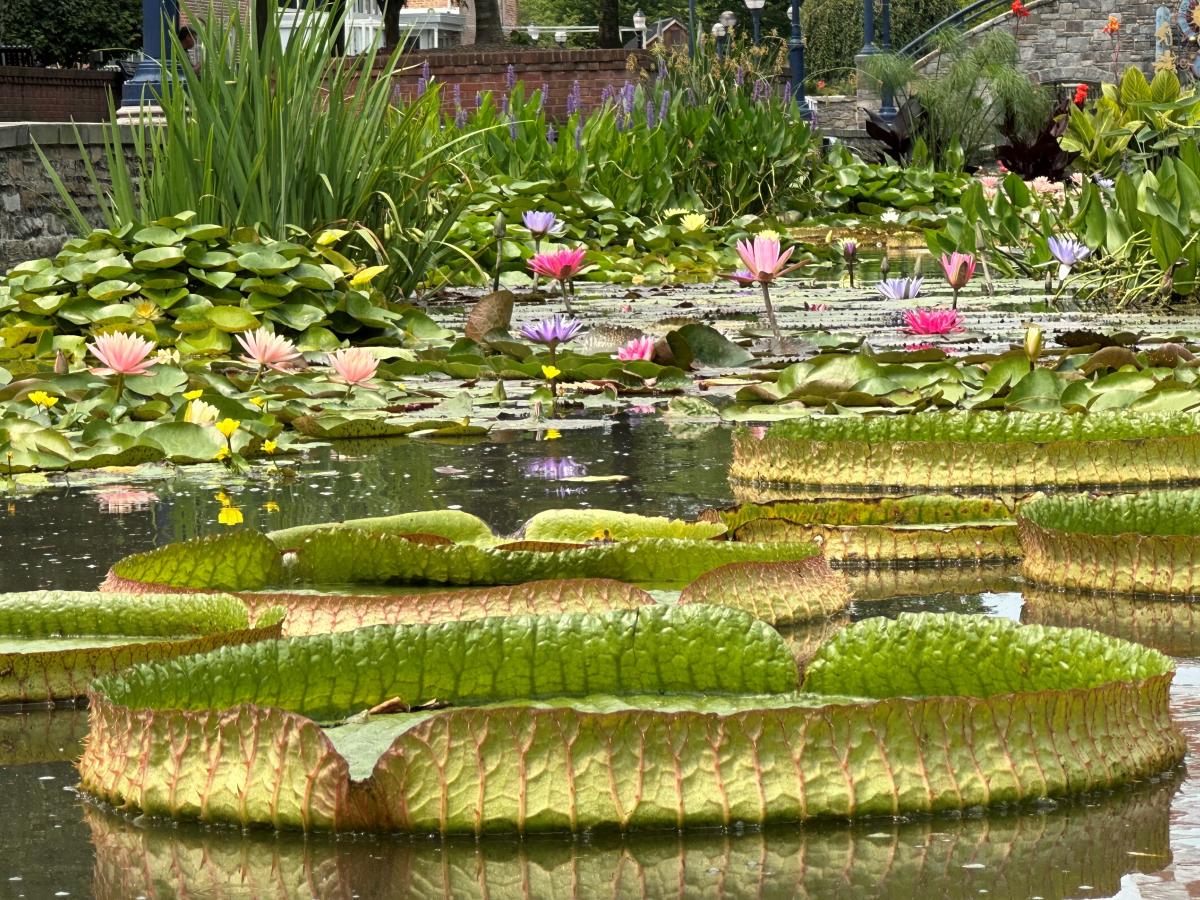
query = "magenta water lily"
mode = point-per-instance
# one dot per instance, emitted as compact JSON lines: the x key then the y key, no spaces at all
{"x":933,"y":321}
{"x":639,"y":348}
{"x":561,"y":265}
{"x":850,"y":254}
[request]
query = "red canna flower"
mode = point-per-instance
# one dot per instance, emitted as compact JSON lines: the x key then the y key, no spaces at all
{"x":1081,"y":94}
{"x":1113,"y":25}
{"x":1019,"y":10}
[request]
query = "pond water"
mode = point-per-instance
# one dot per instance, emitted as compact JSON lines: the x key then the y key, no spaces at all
{"x":1139,"y":842}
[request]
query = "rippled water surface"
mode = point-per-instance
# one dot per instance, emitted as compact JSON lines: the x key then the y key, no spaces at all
{"x":1139,"y":842}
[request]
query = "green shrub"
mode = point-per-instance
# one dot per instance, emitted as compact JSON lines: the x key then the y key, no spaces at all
{"x":833,"y":30}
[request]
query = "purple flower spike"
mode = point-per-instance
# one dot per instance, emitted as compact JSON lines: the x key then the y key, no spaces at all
{"x":553,"y":331}
{"x":510,"y":77}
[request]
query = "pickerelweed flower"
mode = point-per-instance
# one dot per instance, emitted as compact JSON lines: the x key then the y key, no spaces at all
{"x":959,"y":268}
{"x":122,"y":354}
{"x":638,"y":348}
{"x":766,"y":263}
{"x":1069,"y":251}
{"x":267,"y":350}
{"x":933,"y":321}
{"x":561,"y":265}
{"x":850,"y":254}
{"x":354,"y":366}
{"x":900,"y":288}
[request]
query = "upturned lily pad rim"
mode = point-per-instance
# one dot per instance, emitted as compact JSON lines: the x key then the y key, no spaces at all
{"x":1152,"y":514}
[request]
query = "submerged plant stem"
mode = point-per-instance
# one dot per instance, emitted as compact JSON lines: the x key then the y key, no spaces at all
{"x":766,"y":291}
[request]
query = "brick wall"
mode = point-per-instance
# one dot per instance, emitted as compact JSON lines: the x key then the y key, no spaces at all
{"x":55,"y":95}
{"x":487,"y":71}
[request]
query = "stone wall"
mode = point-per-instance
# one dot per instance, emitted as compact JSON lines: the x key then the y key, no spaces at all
{"x":1061,"y":40}
{"x":56,"y":95}
{"x":32,"y":218}
{"x":476,"y":71}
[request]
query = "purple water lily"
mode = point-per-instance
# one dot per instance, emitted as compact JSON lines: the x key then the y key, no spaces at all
{"x":1069,"y":251}
{"x":553,"y":331}
{"x":540,"y":224}
{"x":900,"y":288}
{"x":554,"y":468}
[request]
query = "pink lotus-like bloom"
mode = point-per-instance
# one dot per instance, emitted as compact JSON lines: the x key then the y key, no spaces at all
{"x":121,"y":500}
{"x":354,"y":365}
{"x":959,"y":268}
{"x":763,"y":259}
{"x":266,"y":349}
{"x":933,"y":321}
{"x":638,"y":348}
{"x":561,"y":265}
{"x":122,"y":354}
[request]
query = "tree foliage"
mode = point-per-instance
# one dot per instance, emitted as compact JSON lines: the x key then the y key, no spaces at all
{"x":62,"y":32}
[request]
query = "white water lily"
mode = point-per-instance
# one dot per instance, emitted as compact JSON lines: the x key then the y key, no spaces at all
{"x":200,"y":413}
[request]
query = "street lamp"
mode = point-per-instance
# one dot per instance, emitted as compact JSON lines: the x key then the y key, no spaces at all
{"x":729,"y":20}
{"x":718,"y":32}
{"x":755,"y":7}
{"x":691,"y":29}
{"x":534,"y":33}
{"x":639,"y":26}
{"x":887,"y":99}
{"x":560,"y":37}
{"x":796,"y":60}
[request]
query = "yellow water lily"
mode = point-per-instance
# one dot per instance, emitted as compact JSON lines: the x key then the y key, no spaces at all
{"x":551,"y":372}
{"x":228,"y":426}
{"x":693,"y":222}
{"x":42,"y":399}
{"x":270,"y":447}
{"x":230,"y":515}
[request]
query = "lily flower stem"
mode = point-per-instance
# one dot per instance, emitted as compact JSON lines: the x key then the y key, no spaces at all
{"x":537,"y":248}
{"x":566,"y":299}
{"x":766,"y":292}
{"x":850,"y":268}
{"x":257,"y":375}
{"x":120,"y":388}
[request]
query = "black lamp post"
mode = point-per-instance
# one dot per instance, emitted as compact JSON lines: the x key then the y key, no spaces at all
{"x":756,"y":7}
{"x":146,"y":84}
{"x":887,"y":100}
{"x":796,"y":61}
{"x":691,"y":29}
{"x":639,"y":28}
{"x":868,"y":46}
{"x":718,"y":32}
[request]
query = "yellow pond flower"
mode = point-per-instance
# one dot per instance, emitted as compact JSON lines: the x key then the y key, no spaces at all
{"x":222,"y":498}
{"x":271,"y":506}
{"x":193,"y":395}
{"x":260,"y":402}
{"x":552,"y":434}
{"x":551,"y":372}
{"x":228,"y":426}
{"x":42,"y":399}
{"x":230,"y":515}
{"x":693,"y":222}
{"x":222,"y":454}
{"x":270,"y":447}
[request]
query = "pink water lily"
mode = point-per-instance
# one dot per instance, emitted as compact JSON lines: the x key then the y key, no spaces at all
{"x":561,"y":265}
{"x":933,"y":321}
{"x":959,"y":268}
{"x":355,"y":366}
{"x":638,"y":348}
{"x":122,"y":354}
{"x":266,"y":349}
{"x":765,"y":263}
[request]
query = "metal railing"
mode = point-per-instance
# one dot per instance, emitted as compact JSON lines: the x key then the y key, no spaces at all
{"x":964,"y":20}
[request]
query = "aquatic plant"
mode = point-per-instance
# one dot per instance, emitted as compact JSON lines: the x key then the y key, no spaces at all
{"x":933,"y":321}
{"x":267,"y":350}
{"x":900,"y":288}
{"x":1069,"y":251}
{"x":354,"y":366}
{"x":850,"y":255}
{"x":638,"y":348}
{"x":766,"y":263}
{"x":513,"y":711}
{"x":551,"y":332}
{"x":958,"y":268}
{"x":561,"y":266}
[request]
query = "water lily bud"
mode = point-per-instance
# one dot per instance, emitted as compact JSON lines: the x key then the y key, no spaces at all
{"x":1033,"y":342}
{"x":884,"y":266}
{"x":60,"y":363}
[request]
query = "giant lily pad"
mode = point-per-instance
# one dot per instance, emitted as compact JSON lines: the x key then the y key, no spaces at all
{"x":1097,"y":842}
{"x":233,"y":736}
{"x":1146,"y":543}
{"x":1172,"y":626}
{"x":53,"y":643}
{"x":939,"y":451}
{"x":927,"y":529}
